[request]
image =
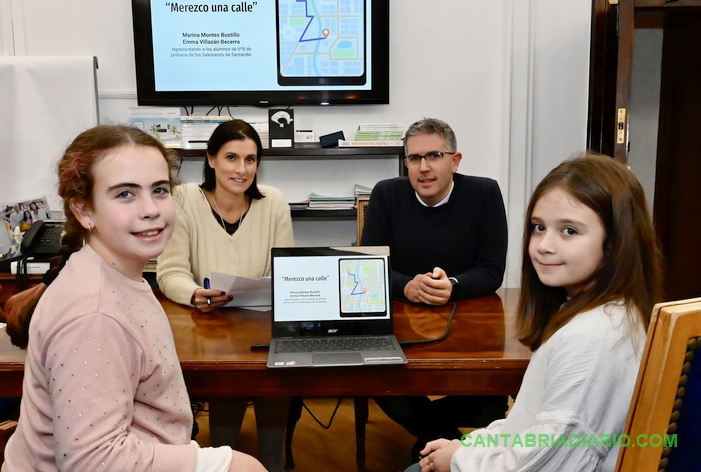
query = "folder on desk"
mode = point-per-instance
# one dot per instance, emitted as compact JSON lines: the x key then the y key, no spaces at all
{"x":332,"y":307}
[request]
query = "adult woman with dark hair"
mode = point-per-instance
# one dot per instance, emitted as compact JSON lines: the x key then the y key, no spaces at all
{"x":228,"y":224}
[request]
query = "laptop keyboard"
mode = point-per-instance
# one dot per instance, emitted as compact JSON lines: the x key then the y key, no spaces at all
{"x":381,"y":343}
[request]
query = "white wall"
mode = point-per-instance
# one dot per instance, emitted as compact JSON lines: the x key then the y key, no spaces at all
{"x":548,"y":102}
{"x":510,"y":77}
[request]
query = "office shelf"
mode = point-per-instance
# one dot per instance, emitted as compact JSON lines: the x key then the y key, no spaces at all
{"x":312,"y":154}
{"x":324,"y":214}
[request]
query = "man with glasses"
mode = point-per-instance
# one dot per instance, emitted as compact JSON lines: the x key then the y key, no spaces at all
{"x":447,"y":236}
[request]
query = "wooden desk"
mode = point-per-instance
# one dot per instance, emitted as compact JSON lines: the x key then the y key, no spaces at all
{"x":480,"y":356}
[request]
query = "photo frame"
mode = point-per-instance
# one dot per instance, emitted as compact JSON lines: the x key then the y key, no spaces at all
{"x":23,"y":213}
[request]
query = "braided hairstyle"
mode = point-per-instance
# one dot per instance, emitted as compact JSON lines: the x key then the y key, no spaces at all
{"x":75,"y":183}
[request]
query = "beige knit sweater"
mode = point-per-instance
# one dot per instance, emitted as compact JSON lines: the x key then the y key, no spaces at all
{"x":200,"y":246}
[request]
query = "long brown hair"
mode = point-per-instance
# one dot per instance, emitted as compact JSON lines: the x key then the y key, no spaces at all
{"x":631,"y":270}
{"x":75,"y":183}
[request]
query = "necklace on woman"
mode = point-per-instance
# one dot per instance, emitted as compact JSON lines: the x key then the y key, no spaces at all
{"x":221,"y":218}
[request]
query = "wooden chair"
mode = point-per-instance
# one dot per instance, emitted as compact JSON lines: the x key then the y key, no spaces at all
{"x":362,"y":205}
{"x":3,"y":319}
{"x":6,"y":430}
{"x":667,"y":396}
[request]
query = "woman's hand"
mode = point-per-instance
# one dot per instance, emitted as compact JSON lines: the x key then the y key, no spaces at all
{"x":438,"y":454}
{"x":207,"y":300}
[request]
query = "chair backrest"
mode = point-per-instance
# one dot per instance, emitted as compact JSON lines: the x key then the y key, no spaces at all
{"x":362,"y":204}
{"x":2,"y":313}
{"x":6,"y":430}
{"x":667,"y":396}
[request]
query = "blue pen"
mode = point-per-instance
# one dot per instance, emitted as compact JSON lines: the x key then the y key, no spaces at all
{"x":207,"y":287}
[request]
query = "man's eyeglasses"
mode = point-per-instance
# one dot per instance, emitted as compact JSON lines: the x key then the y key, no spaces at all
{"x":431,"y":157}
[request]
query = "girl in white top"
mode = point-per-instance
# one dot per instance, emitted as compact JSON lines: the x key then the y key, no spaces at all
{"x":103,"y":388}
{"x":590,"y":276}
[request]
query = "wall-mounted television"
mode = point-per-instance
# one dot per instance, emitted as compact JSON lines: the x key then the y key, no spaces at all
{"x":261,"y":53}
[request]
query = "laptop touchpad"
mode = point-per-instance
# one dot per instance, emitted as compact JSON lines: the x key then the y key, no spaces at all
{"x":339,"y":358}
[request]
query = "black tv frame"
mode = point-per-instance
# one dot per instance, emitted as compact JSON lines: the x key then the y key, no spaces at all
{"x":148,"y":95}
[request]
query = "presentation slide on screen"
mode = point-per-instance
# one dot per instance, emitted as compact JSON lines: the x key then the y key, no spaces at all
{"x":264,"y":45}
{"x":330,"y":288}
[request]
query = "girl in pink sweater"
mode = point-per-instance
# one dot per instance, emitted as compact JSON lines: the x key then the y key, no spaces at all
{"x":103,"y":388}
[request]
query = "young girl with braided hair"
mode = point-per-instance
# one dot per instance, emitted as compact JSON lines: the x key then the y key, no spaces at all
{"x":103,"y":388}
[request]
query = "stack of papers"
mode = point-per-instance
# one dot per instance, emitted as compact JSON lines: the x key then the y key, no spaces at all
{"x":151,"y":266}
{"x":262,"y":129}
{"x":196,"y":130}
{"x":299,"y":205}
{"x":320,"y":202}
{"x":163,"y":123}
{"x":362,"y":191}
{"x":252,"y":293}
{"x":380,"y":132}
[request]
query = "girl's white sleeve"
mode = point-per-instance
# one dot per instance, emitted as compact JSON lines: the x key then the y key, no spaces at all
{"x":507,"y":457}
{"x":213,"y":459}
{"x":579,"y":387}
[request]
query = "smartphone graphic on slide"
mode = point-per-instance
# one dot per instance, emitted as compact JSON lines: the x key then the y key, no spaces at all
{"x":321,"y":42}
{"x":362,"y":287}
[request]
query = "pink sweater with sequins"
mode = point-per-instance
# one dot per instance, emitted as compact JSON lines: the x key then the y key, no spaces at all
{"x":103,"y":388}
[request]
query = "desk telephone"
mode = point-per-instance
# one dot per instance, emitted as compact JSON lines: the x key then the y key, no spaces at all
{"x":42,"y":239}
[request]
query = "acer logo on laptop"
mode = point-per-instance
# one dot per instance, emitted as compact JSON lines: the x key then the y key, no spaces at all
{"x":332,"y":330}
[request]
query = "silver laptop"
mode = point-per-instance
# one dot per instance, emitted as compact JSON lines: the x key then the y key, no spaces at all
{"x":332,"y":307}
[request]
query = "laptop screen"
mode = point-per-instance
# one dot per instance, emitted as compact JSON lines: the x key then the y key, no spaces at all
{"x":343,"y":287}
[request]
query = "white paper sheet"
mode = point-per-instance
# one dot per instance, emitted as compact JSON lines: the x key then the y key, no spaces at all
{"x":252,"y":293}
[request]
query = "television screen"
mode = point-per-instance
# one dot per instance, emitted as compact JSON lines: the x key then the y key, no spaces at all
{"x":261,"y":53}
